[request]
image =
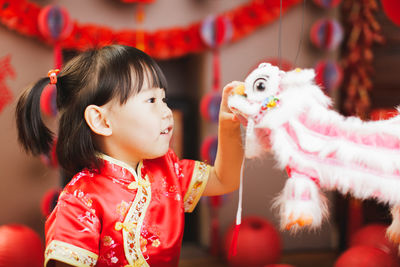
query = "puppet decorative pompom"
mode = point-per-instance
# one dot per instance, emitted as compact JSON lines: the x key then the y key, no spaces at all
{"x":321,"y":149}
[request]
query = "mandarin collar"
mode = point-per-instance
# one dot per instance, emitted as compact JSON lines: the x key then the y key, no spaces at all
{"x":119,"y":169}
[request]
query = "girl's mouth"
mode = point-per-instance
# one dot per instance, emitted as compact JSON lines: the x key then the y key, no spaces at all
{"x":167,"y":130}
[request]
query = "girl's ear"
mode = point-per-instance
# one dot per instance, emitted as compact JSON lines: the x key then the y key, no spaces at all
{"x":97,"y":120}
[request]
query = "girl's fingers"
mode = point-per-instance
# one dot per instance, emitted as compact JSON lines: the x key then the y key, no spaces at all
{"x":226,"y":92}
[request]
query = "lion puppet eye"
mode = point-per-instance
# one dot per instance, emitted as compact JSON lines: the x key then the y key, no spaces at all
{"x":260,"y":85}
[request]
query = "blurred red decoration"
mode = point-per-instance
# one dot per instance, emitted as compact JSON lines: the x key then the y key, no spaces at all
{"x":365,"y":256}
{"x":216,"y":30}
{"x":383,"y":113}
{"x":209,"y":149}
{"x":20,"y":246}
{"x":279,"y":265}
{"x":51,"y":159}
{"x":48,"y":100}
{"x":137,"y":1}
{"x":328,"y":74}
{"x":374,"y":235}
{"x":55,"y":26}
{"x":392,"y":10}
{"x":327,"y":3}
{"x":54,"y":23}
{"x":6,"y":70}
{"x":258,"y":243}
{"x":22,"y":16}
{"x":326,"y":34}
{"x":209,"y":106}
{"x":362,"y":33}
{"x":49,"y":201}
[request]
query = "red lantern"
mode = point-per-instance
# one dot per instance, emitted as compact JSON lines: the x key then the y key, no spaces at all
{"x":326,"y":34}
{"x":258,"y":243}
{"x":49,"y":201}
{"x":327,"y":3}
{"x":209,"y":149}
{"x":137,"y":1}
{"x":209,"y":106}
{"x":392,"y":10}
{"x":279,"y":265}
{"x":54,"y":23}
{"x":55,"y":26}
{"x":365,"y":256}
{"x":20,"y":246}
{"x":48,"y":100}
{"x":328,"y":74}
{"x":374,"y":235}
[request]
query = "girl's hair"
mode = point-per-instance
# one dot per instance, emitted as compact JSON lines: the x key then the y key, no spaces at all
{"x":93,"y":77}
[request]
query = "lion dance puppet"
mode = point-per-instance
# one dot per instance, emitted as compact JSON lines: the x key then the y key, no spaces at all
{"x":320,"y":149}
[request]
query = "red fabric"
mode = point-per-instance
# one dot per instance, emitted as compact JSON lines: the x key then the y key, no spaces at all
{"x":94,"y":201}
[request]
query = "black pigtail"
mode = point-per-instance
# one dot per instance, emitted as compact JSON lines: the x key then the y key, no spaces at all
{"x":33,"y":134}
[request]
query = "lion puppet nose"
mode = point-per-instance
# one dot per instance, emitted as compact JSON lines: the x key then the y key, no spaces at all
{"x":239,"y":90}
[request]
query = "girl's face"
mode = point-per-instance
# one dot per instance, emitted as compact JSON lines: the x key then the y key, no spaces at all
{"x":141,"y":128}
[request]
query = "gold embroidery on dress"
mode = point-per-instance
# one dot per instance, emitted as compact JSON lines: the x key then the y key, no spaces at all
{"x":64,"y":252}
{"x":132,"y":224}
{"x":197,"y":185}
{"x":135,"y":216}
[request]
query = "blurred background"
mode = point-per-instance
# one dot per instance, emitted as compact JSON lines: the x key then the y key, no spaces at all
{"x":201,"y":45}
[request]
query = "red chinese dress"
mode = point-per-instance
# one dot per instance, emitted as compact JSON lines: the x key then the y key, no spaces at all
{"x":117,"y":217}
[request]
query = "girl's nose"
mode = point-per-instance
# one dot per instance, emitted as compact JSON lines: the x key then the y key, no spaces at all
{"x":167,"y":112}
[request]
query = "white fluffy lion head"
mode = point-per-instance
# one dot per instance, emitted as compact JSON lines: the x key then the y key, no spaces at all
{"x":266,"y":90}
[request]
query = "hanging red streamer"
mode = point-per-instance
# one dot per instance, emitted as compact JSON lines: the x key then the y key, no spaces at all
{"x":21,"y":16}
{"x":6,"y":70}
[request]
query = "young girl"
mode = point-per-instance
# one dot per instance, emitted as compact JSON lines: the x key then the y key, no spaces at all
{"x":126,"y":201}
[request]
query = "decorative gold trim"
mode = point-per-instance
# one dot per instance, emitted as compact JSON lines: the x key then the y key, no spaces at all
{"x":132,"y":224}
{"x":197,"y":185}
{"x":136,"y":216}
{"x":70,"y":254}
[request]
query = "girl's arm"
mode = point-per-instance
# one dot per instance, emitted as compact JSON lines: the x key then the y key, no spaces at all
{"x":225,"y":175}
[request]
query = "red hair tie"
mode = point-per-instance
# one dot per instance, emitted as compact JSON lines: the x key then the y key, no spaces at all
{"x":52,"y":74}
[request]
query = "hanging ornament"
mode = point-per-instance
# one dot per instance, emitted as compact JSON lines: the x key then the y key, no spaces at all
{"x":55,"y":26}
{"x":362,"y":33}
{"x":209,"y":106}
{"x":209,"y":149}
{"x":327,"y":3}
{"x":137,"y":1}
{"x":6,"y":70}
{"x":48,"y":100}
{"x":392,"y":10}
{"x":21,"y":16}
{"x":139,"y":16}
{"x":50,"y":159}
{"x":49,"y":201}
{"x":329,"y":75}
{"x":326,"y":34}
{"x":214,"y":31}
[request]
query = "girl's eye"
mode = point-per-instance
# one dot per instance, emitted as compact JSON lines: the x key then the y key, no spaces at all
{"x":151,"y":100}
{"x":165,"y":100}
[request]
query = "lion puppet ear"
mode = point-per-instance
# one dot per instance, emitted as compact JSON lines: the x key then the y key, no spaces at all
{"x":298,"y":78}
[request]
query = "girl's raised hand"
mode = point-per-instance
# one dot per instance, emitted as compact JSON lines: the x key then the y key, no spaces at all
{"x":225,"y":114}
